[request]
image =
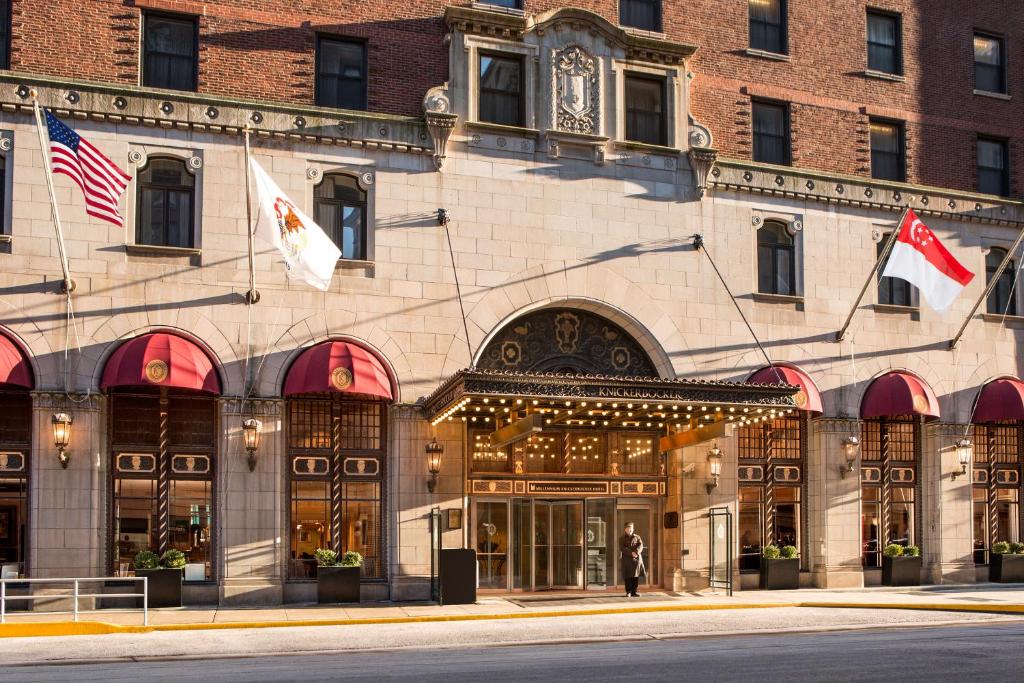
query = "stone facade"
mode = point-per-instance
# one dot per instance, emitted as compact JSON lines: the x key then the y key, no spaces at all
{"x":540,"y":216}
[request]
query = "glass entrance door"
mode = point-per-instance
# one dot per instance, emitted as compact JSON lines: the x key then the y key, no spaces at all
{"x":558,"y":544}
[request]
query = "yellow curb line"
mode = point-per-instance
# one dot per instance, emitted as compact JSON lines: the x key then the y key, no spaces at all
{"x":67,"y":628}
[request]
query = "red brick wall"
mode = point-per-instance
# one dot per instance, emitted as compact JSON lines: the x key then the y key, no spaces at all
{"x":264,"y":49}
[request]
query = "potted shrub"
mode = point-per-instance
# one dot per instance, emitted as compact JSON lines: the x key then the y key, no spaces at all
{"x":164,"y":574}
{"x":901,"y":566}
{"x":337,"y":579}
{"x":1006,"y":563}
{"x":780,"y":568}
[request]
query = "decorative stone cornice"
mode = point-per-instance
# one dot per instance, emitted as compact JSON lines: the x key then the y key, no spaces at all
{"x":132,"y":105}
{"x":830,"y":188}
{"x":410,"y":412}
{"x":66,"y":403}
{"x":252,"y":407}
{"x":836,"y":425}
{"x":702,"y":161}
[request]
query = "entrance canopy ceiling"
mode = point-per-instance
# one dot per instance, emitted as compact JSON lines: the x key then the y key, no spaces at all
{"x":899,"y":393}
{"x":14,"y":367}
{"x":493,"y":398}
{"x":338,"y":367}
{"x":1000,"y":399}
{"x":161,"y":360}
{"x":808,"y":398}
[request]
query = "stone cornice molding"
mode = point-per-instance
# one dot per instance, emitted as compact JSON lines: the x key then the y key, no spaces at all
{"x":252,"y":407}
{"x":67,"y":403}
{"x":133,"y":105}
{"x":836,"y":425}
{"x":830,"y":188}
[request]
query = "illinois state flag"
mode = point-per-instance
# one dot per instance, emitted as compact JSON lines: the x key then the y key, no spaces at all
{"x":308,"y":253}
{"x":919,"y":258}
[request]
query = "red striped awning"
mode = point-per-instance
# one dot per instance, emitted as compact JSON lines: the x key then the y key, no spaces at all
{"x":161,"y":360}
{"x":1000,"y":399}
{"x":338,"y":367}
{"x":808,"y":398}
{"x":899,"y":393}
{"x":14,"y":366}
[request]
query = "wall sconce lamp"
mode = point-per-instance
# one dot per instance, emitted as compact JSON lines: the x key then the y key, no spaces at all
{"x":851,"y":449}
{"x":62,"y":437}
{"x":251,"y":436}
{"x":434,"y":453}
{"x":715,"y":463}
{"x":964,"y":456}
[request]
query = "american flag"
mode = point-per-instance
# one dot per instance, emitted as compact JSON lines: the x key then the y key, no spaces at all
{"x":102,"y":182}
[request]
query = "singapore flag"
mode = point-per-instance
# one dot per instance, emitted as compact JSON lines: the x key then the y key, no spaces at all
{"x":919,"y":258}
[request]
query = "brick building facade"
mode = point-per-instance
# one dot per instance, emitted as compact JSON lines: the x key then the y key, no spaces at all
{"x":570,"y":352}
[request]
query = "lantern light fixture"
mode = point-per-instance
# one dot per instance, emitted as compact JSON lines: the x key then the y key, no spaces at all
{"x":434,"y":453}
{"x":851,"y":449}
{"x":251,"y":429}
{"x":715,"y":465}
{"x":964,"y":456}
{"x":62,"y":437}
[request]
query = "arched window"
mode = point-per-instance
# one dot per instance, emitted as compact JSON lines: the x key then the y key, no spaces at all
{"x":892,"y":291}
{"x":165,"y":212}
{"x":15,"y":447}
{"x":890,"y":455}
{"x":1001,"y":300}
{"x":776,"y":260}
{"x":339,"y":207}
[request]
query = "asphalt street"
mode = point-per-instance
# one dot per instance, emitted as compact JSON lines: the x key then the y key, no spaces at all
{"x":988,"y":652}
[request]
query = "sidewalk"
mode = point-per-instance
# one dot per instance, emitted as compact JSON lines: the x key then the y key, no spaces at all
{"x":988,"y":598}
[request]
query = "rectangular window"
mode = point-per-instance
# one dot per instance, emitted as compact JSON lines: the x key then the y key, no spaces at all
{"x":501,"y":90}
{"x":993,"y":167}
{"x":645,"y":110}
{"x":884,"y":42}
{"x":340,"y":73}
{"x":5,"y":34}
{"x":311,"y":526}
{"x":507,"y":4}
{"x":768,"y":25}
{"x":901,"y":516}
{"x":165,"y":208}
{"x":191,"y":522}
{"x":170,"y":49}
{"x":361,"y":525}
{"x":135,"y":520}
{"x":980,"y":500}
{"x":643,"y":14}
{"x":751,"y":526}
{"x":771,"y":132}
{"x":989,"y":63}
{"x":870,"y":524}
{"x":893,"y":291}
{"x":1007,"y":515}
{"x":888,"y":155}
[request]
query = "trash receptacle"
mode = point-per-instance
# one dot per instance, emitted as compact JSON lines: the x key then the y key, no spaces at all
{"x":457,"y":576}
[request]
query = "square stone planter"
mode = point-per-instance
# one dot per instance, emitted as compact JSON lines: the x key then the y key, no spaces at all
{"x":901,"y":571}
{"x":164,"y":586}
{"x":1005,"y":568}
{"x":780,"y":575}
{"x":337,"y":584}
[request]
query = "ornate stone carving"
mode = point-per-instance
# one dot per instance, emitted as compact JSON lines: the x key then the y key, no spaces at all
{"x":577,"y":97}
{"x":253,"y":407}
{"x":60,"y":402}
{"x":700,"y":135}
{"x":702,"y":161}
{"x":437,"y":110}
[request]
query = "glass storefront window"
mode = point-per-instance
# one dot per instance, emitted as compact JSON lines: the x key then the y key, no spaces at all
{"x":492,"y":543}
{"x":134,"y":520}
{"x":870,"y":518}
{"x":191,"y":516}
{"x":901,"y":516}
{"x":787,"y":516}
{"x":751,"y":527}
{"x":602,"y":540}
{"x":542,"y":453}
{"x":485,"y":458}
{"x":980,"y":510}
{"x":361,"y":525}
{"x":585,"y":453}
{"x":311,"y":526}
{"x":634,"y":453}
{"x":522,"y":552}
{"x":1007,"y":515}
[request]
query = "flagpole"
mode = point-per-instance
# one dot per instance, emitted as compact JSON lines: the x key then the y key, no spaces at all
{"x":252,"y":296}
{"x":993,"y":281}
{"x":69,"y":285}
{"x":874,"y":269}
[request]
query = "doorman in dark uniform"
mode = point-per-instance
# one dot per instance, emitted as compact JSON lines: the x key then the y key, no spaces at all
{"x":632,"y":548}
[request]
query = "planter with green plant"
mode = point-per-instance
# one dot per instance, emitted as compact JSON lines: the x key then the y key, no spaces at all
{"x":163,"y":574}
{"x":337,"y":579}
{"x":1006,"y":563}
{"x":780,"y":568}
{"x":901,"y":566}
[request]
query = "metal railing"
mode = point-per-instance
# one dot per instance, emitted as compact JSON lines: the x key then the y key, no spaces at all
{"x":76,"y":593}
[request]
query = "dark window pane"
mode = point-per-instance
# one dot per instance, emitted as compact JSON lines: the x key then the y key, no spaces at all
{"x":169,"y":53}
{"x":3,"y":193}
{"x":645,"y":113}
{"x":771,"y":133}
{"x":993,"y":167}
{"x":776,"y":262}
{"x":165,"y":207}
{"x":645,"y":14}
{"x":341,"y":74}
{"x":887,"y":151}
{"x":339,"y":207}
{"x":501,"y":90}
{"x":768,"y":25}
{"x":892,"y":291}
{"x":510,"y":4}
{"x":884,"y":43}
{"x":1002,"y":299}
{"x":989,"y":64}
{"x":5,"y":34}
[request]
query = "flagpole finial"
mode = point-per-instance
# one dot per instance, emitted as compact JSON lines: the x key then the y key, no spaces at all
{"x":33,"y":93}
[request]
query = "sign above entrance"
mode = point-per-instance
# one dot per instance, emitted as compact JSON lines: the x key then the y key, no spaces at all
{"x":567,"y":487}
{"x":573,"y":487}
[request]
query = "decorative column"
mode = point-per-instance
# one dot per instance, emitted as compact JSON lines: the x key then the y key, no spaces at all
{"x":946,"y":507}
{"x":163,"y":477}
{"x":833,"y":524}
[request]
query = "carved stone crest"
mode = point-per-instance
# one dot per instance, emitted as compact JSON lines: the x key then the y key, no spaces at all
{"x":577,"y":91}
